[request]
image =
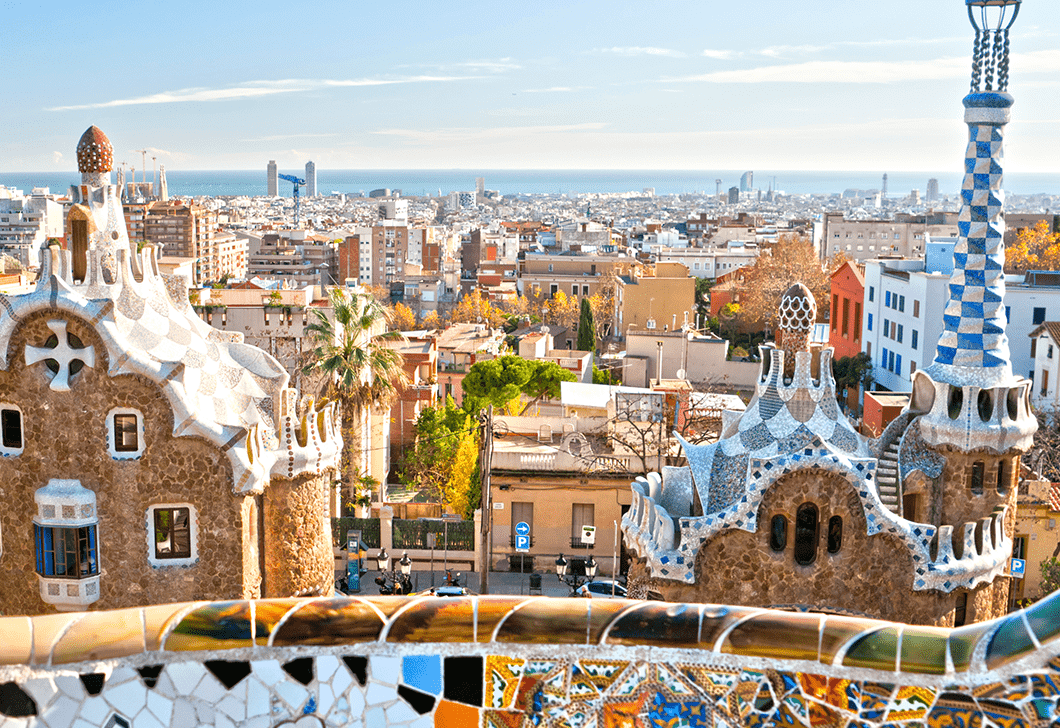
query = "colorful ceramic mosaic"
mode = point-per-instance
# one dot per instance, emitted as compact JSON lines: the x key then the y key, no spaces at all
{"x":520,"y":661}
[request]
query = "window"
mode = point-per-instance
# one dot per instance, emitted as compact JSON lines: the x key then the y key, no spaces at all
{"x":883,"y":358}
{"x":172,"y":534}
{"x":1039,"y":315}
{"x":835,"y":309}
{"x":975,"y":482}
{"x":900,"y":333}
{"x":857,"y":321}
{"x":887,"y":299}
{"x":11,"y":442}
{"x":846,"y":316}
{"x":835,"y":534}
{"x":960,"y":611}
{"x":872,"y":293}
{"x":574,"y":290}
{"x":916,"y":309}
{"x":1034,"y":347}
{"x":66,"y":547}
{"x":1002,"y":477}
{"x":585,"y":290}
{"x":1049,"y":352}
{"x":887,"y":328}
{"x":915,"y":335}
{"x":901,"y":304}
{"x":1045,"y":381}
{"x":68,"y":553}
{"x":778,"y":533}
{"x":868,"y":322}
{"x":581,"y":515}
{"x":806,"y":534}
{"x":897,"y":364}
{"x":894,"y":327}
{"x":890,"y":361}
{"x":125,"y":434}
{"x":1008,"y":314}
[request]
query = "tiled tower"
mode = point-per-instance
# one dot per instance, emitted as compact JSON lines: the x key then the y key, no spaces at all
{"x":970,"y":396}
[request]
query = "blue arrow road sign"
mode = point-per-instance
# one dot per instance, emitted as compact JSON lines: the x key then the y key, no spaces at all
{"x":522,"y":528}
{"x":1018,"y":567}
{"x":522,"y":543}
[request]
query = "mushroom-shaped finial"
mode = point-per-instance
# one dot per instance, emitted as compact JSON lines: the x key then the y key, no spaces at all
{"x":798,"y":309}
{"x":94,"y":152}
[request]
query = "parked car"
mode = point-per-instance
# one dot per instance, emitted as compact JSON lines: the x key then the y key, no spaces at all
{"x":601,"y":589}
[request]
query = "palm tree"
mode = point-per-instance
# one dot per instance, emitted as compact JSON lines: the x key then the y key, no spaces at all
{"x":359,"y":371}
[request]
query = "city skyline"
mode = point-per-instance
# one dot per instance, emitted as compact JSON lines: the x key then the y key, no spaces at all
{"x":594,"y":86}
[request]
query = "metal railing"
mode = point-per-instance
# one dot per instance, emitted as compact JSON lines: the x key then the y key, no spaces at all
{"x":369,"y":531}
{"x":412,"y":534}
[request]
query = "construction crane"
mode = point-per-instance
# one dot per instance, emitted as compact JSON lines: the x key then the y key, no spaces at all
{"x":297,"y":202}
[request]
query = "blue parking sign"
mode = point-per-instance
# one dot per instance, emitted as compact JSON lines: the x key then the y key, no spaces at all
{"x":1018,"y":567}
{"x":522,"y":543}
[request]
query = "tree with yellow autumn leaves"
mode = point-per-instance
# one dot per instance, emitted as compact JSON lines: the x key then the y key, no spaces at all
{"x":1035,"y":248}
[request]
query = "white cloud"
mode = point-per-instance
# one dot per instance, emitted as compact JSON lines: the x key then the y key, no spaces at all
{"x":718,"y":54}
{"x":253,"y":89}
{"x":278,"y":137}
{"x":553,"y":89}
{"x":641,"y":51}
{"x":57,"y":157}
{"x":871,"y":71}
{"x":780,"y":51}
{"x":465,"y":134}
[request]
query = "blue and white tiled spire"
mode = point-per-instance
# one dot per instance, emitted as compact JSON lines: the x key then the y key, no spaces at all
{"x":973,"y":348}
{"x":973,"y":342}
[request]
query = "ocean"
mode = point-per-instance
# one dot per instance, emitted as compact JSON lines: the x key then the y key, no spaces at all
{"x":421,"y":182}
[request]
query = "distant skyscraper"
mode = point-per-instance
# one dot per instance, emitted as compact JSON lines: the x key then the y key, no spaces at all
{"x":163,"y":186}
{"x":883,"y":192}
{"x":310,"y":179}
{"x":480,"y":185}
{"x":274,"y":181}
{"x":932,"y":190}
{"x":734,"y":195}
{"x":747,"y":182}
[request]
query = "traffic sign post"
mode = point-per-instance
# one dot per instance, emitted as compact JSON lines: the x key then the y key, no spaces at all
{"x":522,"y":543}
{"x":1018,"y":568}
{"x":589,"y":535}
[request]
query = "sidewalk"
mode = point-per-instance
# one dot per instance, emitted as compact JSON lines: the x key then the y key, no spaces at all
{"x":500,"y":582}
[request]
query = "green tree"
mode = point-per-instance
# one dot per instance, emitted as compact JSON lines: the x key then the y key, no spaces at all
{"x":359,"y":371}
{"x":438,"y":465}
{"x":604,"y":376}
{"x":852,"y":371}
{"x":501,"y":381}
{"x":586,"y":330}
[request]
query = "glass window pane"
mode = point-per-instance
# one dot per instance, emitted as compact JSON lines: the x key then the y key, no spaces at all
{"x":778,"y":533}
{"x":11,"y":428}
{"x":806,"y":534}
{"x":835,"y":534}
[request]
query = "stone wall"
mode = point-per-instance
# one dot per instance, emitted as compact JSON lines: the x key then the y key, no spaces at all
{"x":960,"y":504}
{"x":739,"y":567}
{"x":65,"y":436}
{"x":298,"y":554}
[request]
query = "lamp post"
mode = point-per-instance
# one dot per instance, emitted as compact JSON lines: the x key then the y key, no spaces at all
{"x":398,"y":581}
{"x":575,"y":580}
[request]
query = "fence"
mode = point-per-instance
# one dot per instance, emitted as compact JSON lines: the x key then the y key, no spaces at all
{"x":369,"y":531}
{"x":409,"y":534}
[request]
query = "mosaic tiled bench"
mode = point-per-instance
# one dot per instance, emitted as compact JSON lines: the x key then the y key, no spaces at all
{"x":518,"y":661}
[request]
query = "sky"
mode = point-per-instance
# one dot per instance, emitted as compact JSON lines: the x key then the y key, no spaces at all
{"x":582,"y":84}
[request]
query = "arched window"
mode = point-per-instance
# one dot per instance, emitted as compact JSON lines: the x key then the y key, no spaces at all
{"x":835,"y":534}
{"x":778,"y":533}
{"x":806,"y":534}
{"x":1002,"y":477}
{"x":976,"y":482}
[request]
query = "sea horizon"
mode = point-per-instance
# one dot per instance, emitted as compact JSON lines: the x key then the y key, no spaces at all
{"x":431,"y":182}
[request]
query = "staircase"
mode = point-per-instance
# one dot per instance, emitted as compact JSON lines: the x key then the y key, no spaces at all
{"x":887,"y":478}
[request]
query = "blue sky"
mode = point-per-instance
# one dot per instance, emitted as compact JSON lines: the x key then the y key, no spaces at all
{"x":827,"y":84}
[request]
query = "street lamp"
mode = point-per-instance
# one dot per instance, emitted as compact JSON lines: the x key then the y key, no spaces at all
{"x":397,"y":581}
{"x":575,"y":580}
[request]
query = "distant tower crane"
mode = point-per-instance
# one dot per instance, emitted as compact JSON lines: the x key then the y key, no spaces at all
{"x":297,"y":202}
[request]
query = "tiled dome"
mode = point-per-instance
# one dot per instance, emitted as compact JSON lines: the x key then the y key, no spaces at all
{"x":94,"y":152}
{"x":798,"y":309}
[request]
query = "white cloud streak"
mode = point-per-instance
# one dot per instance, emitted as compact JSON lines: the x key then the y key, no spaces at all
{"x":641,"y":51}
{"x":255,"y":89}
{"x":278,"y":137}
{"x":721,"y":55}
{"x":870,"y":71}
{"x":462,"y":134}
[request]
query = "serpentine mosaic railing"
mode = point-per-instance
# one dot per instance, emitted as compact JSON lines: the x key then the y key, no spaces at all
{"x":520,"y":661}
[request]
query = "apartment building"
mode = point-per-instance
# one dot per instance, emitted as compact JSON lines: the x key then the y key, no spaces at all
{"x":905,"y":300}
{"x":297,"y":256}
{"x":712,"y":262}
{"x":661,"y":296}
{"x":27,"y":222}
{"x":575,"y":275}
{"x":866,"y":239}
